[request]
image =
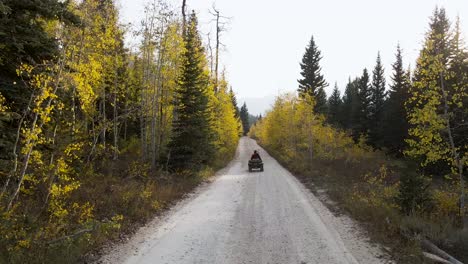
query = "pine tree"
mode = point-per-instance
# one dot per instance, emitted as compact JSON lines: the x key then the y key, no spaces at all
{"x":414,"y":194}
{"x":349,"y":110}
{"x":313,"y":82}
{"x":334,"y":107}
{"x":377,"y":90}
{"x":234,"y":102}
{"x":244,"y":116}
{"x":363,"y":106}
{"x":232,"y":95}
{"x":191,"y":143}
{"x":395,"y":125}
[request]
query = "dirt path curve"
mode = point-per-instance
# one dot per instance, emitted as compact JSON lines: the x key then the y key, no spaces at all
{"x":242,"y":217}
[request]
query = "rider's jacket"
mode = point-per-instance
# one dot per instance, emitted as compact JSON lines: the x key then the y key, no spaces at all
{"x":255,"y":156}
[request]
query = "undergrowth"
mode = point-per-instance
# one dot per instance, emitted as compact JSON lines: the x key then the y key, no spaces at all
{"x":119,"y":195}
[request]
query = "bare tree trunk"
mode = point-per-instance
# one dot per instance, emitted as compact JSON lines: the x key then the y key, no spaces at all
{"x":15,"y":148}
{"x":220,"y":23}
{"x":95,"y":141}
{"x":116,"y":134}
{"x":104,"y":118}
{"x":217,"y":50}
{"x":51,"y":161}
{"x":125,"y":121}
{"x":161,"y":58}
{"x":160,"y":122}
{"x":147,"y":83}
{"x":210,"y":49}
{"x":455,"y":154}
{"x":73,"y":109}
{"x":52,"y":175}
{"x":115,"y":114}
{"x":462,"y":194}
{"x":311,"y":141}
{"x":183,"y":17}
{"x":153,"y":121}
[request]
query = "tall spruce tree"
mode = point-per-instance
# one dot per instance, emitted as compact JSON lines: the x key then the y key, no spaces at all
{"x":378,"y":94}
{"x":334,"y":107}
{"x":245,"y":116}
{"x":349,"y":109}
{"x":313,"y":82}
{"x":191,"y":142}
{"x":234,"y":102}
{"x":232,"y":95}
{"x":395,"y":125}
{"x":363,"y":106}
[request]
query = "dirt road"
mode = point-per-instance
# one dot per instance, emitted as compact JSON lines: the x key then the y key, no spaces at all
{"x":242,"y":217}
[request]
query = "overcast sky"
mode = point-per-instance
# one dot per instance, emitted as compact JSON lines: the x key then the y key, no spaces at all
{"x":267,"y":38}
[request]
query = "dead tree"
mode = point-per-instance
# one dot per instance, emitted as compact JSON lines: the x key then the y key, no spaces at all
{"x":183,"y":17}
{"x":210,"y":50}
{"x":221,"y":22}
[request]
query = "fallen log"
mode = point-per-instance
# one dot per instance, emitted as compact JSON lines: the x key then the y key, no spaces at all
{"x":435,"y":258}
{"x":426,"y":244}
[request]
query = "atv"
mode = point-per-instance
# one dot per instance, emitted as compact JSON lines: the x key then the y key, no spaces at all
{"x":255,"y":164}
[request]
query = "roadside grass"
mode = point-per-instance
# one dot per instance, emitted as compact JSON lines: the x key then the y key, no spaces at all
{"x":367,"y":190}
{"x":122,"y":195}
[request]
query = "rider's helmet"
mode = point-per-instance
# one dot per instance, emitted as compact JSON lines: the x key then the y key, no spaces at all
{"x":255,"y":152}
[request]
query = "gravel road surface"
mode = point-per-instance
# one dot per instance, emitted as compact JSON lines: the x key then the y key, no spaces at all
{"x":242,"y":217}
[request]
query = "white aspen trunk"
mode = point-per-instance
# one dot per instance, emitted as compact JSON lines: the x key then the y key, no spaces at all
{"x":148,"y":51}
{"x":115,"y":127}
{"x":74,"y":87}
{"x":217,"y":51}
{"x":159,"y":88}
{"x":116,"y":132}
{"x":15,"y":148}
{"x":455,"y":155}
{"x":95,"y":141}
{"x":104,"y":118}
{"x":31,"y":142}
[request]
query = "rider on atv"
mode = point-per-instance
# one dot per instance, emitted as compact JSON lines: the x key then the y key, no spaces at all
{"x":255,"y":162}
{"x":255,"y":156}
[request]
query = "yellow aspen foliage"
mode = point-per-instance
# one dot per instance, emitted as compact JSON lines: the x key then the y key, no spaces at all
{"x":445,"y":203}
{"x":90,"y":49}
{"x":97,"y":118}
{"x":225,"y":125}
{"x":3,"y":106}
{"x":377,"y":193}
{"x":293,"y":130}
